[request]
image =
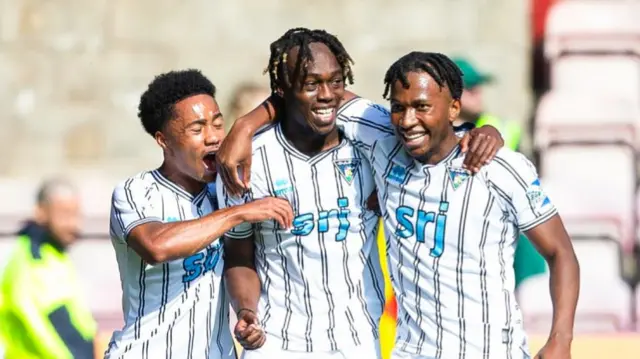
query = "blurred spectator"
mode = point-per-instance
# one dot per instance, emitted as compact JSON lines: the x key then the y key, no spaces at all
{"x":245,"y":98}
{"x":527,"y":260}
{"x":42,"y":314}
{"x":473,"y":104}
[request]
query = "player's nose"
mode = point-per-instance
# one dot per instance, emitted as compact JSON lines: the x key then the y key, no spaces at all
{"x":408,"y":119}
{"x":212,"y":137}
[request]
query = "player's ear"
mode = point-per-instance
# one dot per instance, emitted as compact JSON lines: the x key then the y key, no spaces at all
{"x":161,"y":140}
{"x":454,"y":110}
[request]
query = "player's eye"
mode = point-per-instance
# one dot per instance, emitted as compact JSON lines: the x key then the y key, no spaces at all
{"x":395,"y":108}
{"x":337,"y":82}
{"x":422,"y":107}
{"x":310,"y":85}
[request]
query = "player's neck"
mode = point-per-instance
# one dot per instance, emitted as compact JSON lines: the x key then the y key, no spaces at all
{"x":308,"y":142}
{"x":183,"y":181}
{"x":441,"y":151}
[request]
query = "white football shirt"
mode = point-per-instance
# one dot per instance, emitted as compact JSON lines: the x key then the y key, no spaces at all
{"x":176,"y":309}
{"x":322,"y":286}
{"x":450,"y":245}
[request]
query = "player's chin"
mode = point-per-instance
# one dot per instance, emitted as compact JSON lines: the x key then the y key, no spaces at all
{"x":323,"y":128}
{"x":209,"y":176}
{"x":417,"y":150}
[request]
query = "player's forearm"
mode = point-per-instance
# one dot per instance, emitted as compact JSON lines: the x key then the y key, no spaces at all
{"x":564,"y":285}
{"x":182,"y":239}
{"x":243,"y":285}
{"x":259,"y":117}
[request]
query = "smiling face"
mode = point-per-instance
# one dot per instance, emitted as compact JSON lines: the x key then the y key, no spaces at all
{"x":312,"y":101}
{"x":193,"y":136}
{"x":422,"y":116}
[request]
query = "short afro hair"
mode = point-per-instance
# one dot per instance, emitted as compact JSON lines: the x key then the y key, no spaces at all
{"x":156,"y":106}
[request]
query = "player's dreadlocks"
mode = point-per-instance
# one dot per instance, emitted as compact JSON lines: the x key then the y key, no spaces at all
{"x":156,"y":103}
{"x":439,"y":66}
{"x":302,"y":37}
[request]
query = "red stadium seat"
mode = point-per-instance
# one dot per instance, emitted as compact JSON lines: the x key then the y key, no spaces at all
{"x":605,"y":300}
{"x":594,"y":189}
{"x":592,"y":26}
{"x":581,"y":117}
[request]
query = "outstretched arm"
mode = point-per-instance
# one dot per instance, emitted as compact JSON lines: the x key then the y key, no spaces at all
{"x":137,"y":219}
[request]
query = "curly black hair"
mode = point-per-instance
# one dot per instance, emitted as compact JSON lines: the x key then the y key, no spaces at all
{"x":156,"y":106}
{"x":443,"y":70}
{"x":302,"y":37}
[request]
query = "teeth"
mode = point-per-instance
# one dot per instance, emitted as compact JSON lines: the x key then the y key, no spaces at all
{"x":324,"y":111}
{"x":414,"y":136}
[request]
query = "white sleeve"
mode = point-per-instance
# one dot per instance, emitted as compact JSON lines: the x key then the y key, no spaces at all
{"x":516,"y":180}
{"x":225,"y":200}
{"x":134,"y":202}
{"x":363,"y":122}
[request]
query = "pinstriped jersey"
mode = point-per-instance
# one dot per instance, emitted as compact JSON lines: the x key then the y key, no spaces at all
{"x":322,"y":287}
{"x":450,"y":241}
{"x":176,"y":309}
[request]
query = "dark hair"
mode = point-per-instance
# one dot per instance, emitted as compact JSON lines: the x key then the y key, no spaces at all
{"x":157,"y":102}
{"x":302,"y":37}
{"x":443,"y":70}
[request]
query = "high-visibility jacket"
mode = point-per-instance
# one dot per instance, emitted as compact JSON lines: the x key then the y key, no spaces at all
{"x":42,"y":314}
{"x":510,"y":131}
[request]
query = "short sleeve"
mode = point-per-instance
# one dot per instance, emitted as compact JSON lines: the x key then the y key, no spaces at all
{"x":134,"y":202}
{"x":516,"y":180}
{"x":363,"y":122}
{"x":463,"y":128}
{"x":225,"y":200}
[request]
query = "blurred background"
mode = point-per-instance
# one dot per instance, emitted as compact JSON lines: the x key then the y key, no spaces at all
{"x":560,"y":79}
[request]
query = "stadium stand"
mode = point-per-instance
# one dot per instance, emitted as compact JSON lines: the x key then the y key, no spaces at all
{"x":586,"y":131}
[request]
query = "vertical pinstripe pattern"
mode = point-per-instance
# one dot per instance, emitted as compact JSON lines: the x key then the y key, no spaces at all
{"x":484,"y":295}
{"x":300,"y":256}
{"x":469,"y":286}
{"x":324,"y":264}
{"x":330,"y":279}
{"x":156,"y":302}
{"x":462,"y":330}
{"x":285,"y":264}
{"x":416,"y":260}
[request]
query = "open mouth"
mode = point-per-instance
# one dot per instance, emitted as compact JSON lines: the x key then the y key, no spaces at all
{"x":209,"y":161}
{"x":324,"y":114}
{"x":414,"y":138}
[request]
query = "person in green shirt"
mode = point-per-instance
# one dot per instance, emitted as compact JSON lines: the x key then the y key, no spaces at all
{"x":42,"y":313}
{"x":527,"y":261}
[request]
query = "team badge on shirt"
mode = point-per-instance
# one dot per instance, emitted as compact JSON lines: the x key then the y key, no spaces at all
{"x":536,"y":196}
{"x":397,"y":174}
{"x":347,"y":169}
{"x":458,"y":176}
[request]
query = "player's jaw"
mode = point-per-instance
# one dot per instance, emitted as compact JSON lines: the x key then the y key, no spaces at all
{"x":416,"y":139}
{"x":322,"y":118}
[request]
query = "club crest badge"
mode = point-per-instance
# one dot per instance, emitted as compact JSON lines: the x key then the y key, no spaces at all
{"x":347,"y":169}
{"x":458,"y":176}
